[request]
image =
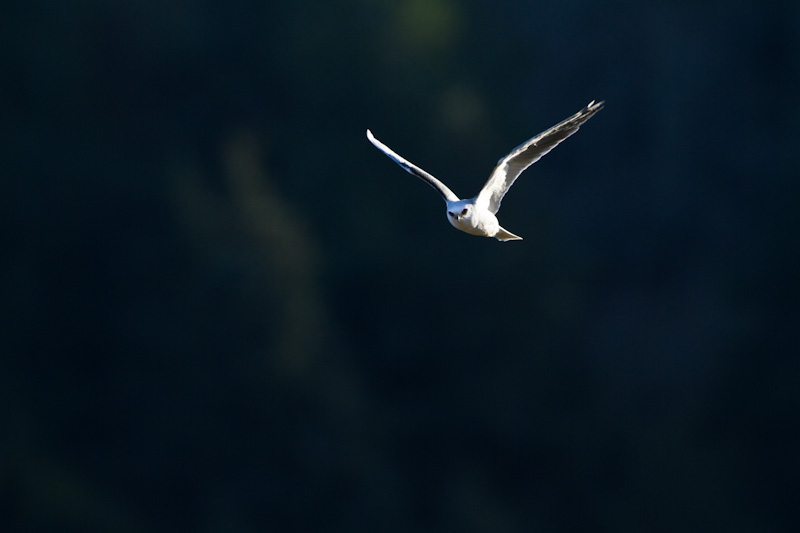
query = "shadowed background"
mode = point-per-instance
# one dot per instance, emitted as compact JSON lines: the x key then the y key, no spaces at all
{"x":224,"y":310}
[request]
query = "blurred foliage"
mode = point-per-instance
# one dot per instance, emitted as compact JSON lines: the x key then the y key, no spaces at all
{"x":224,"y":310}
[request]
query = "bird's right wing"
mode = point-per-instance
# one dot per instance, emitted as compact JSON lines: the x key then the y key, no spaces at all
{"x":411,"y":168}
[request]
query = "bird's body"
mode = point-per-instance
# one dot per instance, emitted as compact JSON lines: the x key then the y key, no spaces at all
{"x":464,"y":216}
{"x":476,"y":216}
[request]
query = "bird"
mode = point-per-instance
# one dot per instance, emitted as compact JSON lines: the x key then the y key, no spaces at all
{"x":477,"y":216}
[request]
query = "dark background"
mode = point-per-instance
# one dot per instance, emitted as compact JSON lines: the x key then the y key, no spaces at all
{"x":224,"y":310}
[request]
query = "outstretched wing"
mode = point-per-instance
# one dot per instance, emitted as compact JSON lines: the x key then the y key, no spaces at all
{"x":511,"y":166}
{"x":411,"y":168}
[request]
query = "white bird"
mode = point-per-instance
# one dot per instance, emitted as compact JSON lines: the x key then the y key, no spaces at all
{"x":476,"y":216}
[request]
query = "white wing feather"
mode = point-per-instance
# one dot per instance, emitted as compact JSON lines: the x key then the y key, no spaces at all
{"x":411,"y":168}
{"x":512,"y":165}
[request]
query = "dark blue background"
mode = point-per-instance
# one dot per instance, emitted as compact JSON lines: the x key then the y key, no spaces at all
{"x":224,"y":310}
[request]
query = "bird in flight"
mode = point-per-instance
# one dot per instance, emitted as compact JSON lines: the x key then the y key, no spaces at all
{"x":476,"y":216}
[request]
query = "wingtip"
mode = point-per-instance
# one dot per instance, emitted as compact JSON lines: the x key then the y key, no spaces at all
{"x":595,"y":105}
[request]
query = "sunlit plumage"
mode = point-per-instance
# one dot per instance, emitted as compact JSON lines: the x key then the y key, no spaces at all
{"x":476,"y":216}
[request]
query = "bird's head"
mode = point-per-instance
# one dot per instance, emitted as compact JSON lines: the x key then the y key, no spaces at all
{"x":470,"y":218}
{"x":459,"y":211}
{"x":461,"y":215}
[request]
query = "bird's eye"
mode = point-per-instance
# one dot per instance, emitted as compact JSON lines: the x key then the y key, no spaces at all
{"x":463,"y":211}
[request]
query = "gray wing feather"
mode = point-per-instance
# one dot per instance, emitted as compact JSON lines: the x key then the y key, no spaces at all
{"x":411,"y":168}
{"x":511,"y":166}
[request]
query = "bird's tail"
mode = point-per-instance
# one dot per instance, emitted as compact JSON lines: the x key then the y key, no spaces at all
{"x":504,"y":235}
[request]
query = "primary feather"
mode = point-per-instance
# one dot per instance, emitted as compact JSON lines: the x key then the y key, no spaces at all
{"x":512,"y":165}
{"x":411,"y":168}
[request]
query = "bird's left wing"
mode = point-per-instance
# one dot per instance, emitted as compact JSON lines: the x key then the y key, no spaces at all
{"x":511,"y":166}
{"x":411,"y":168}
